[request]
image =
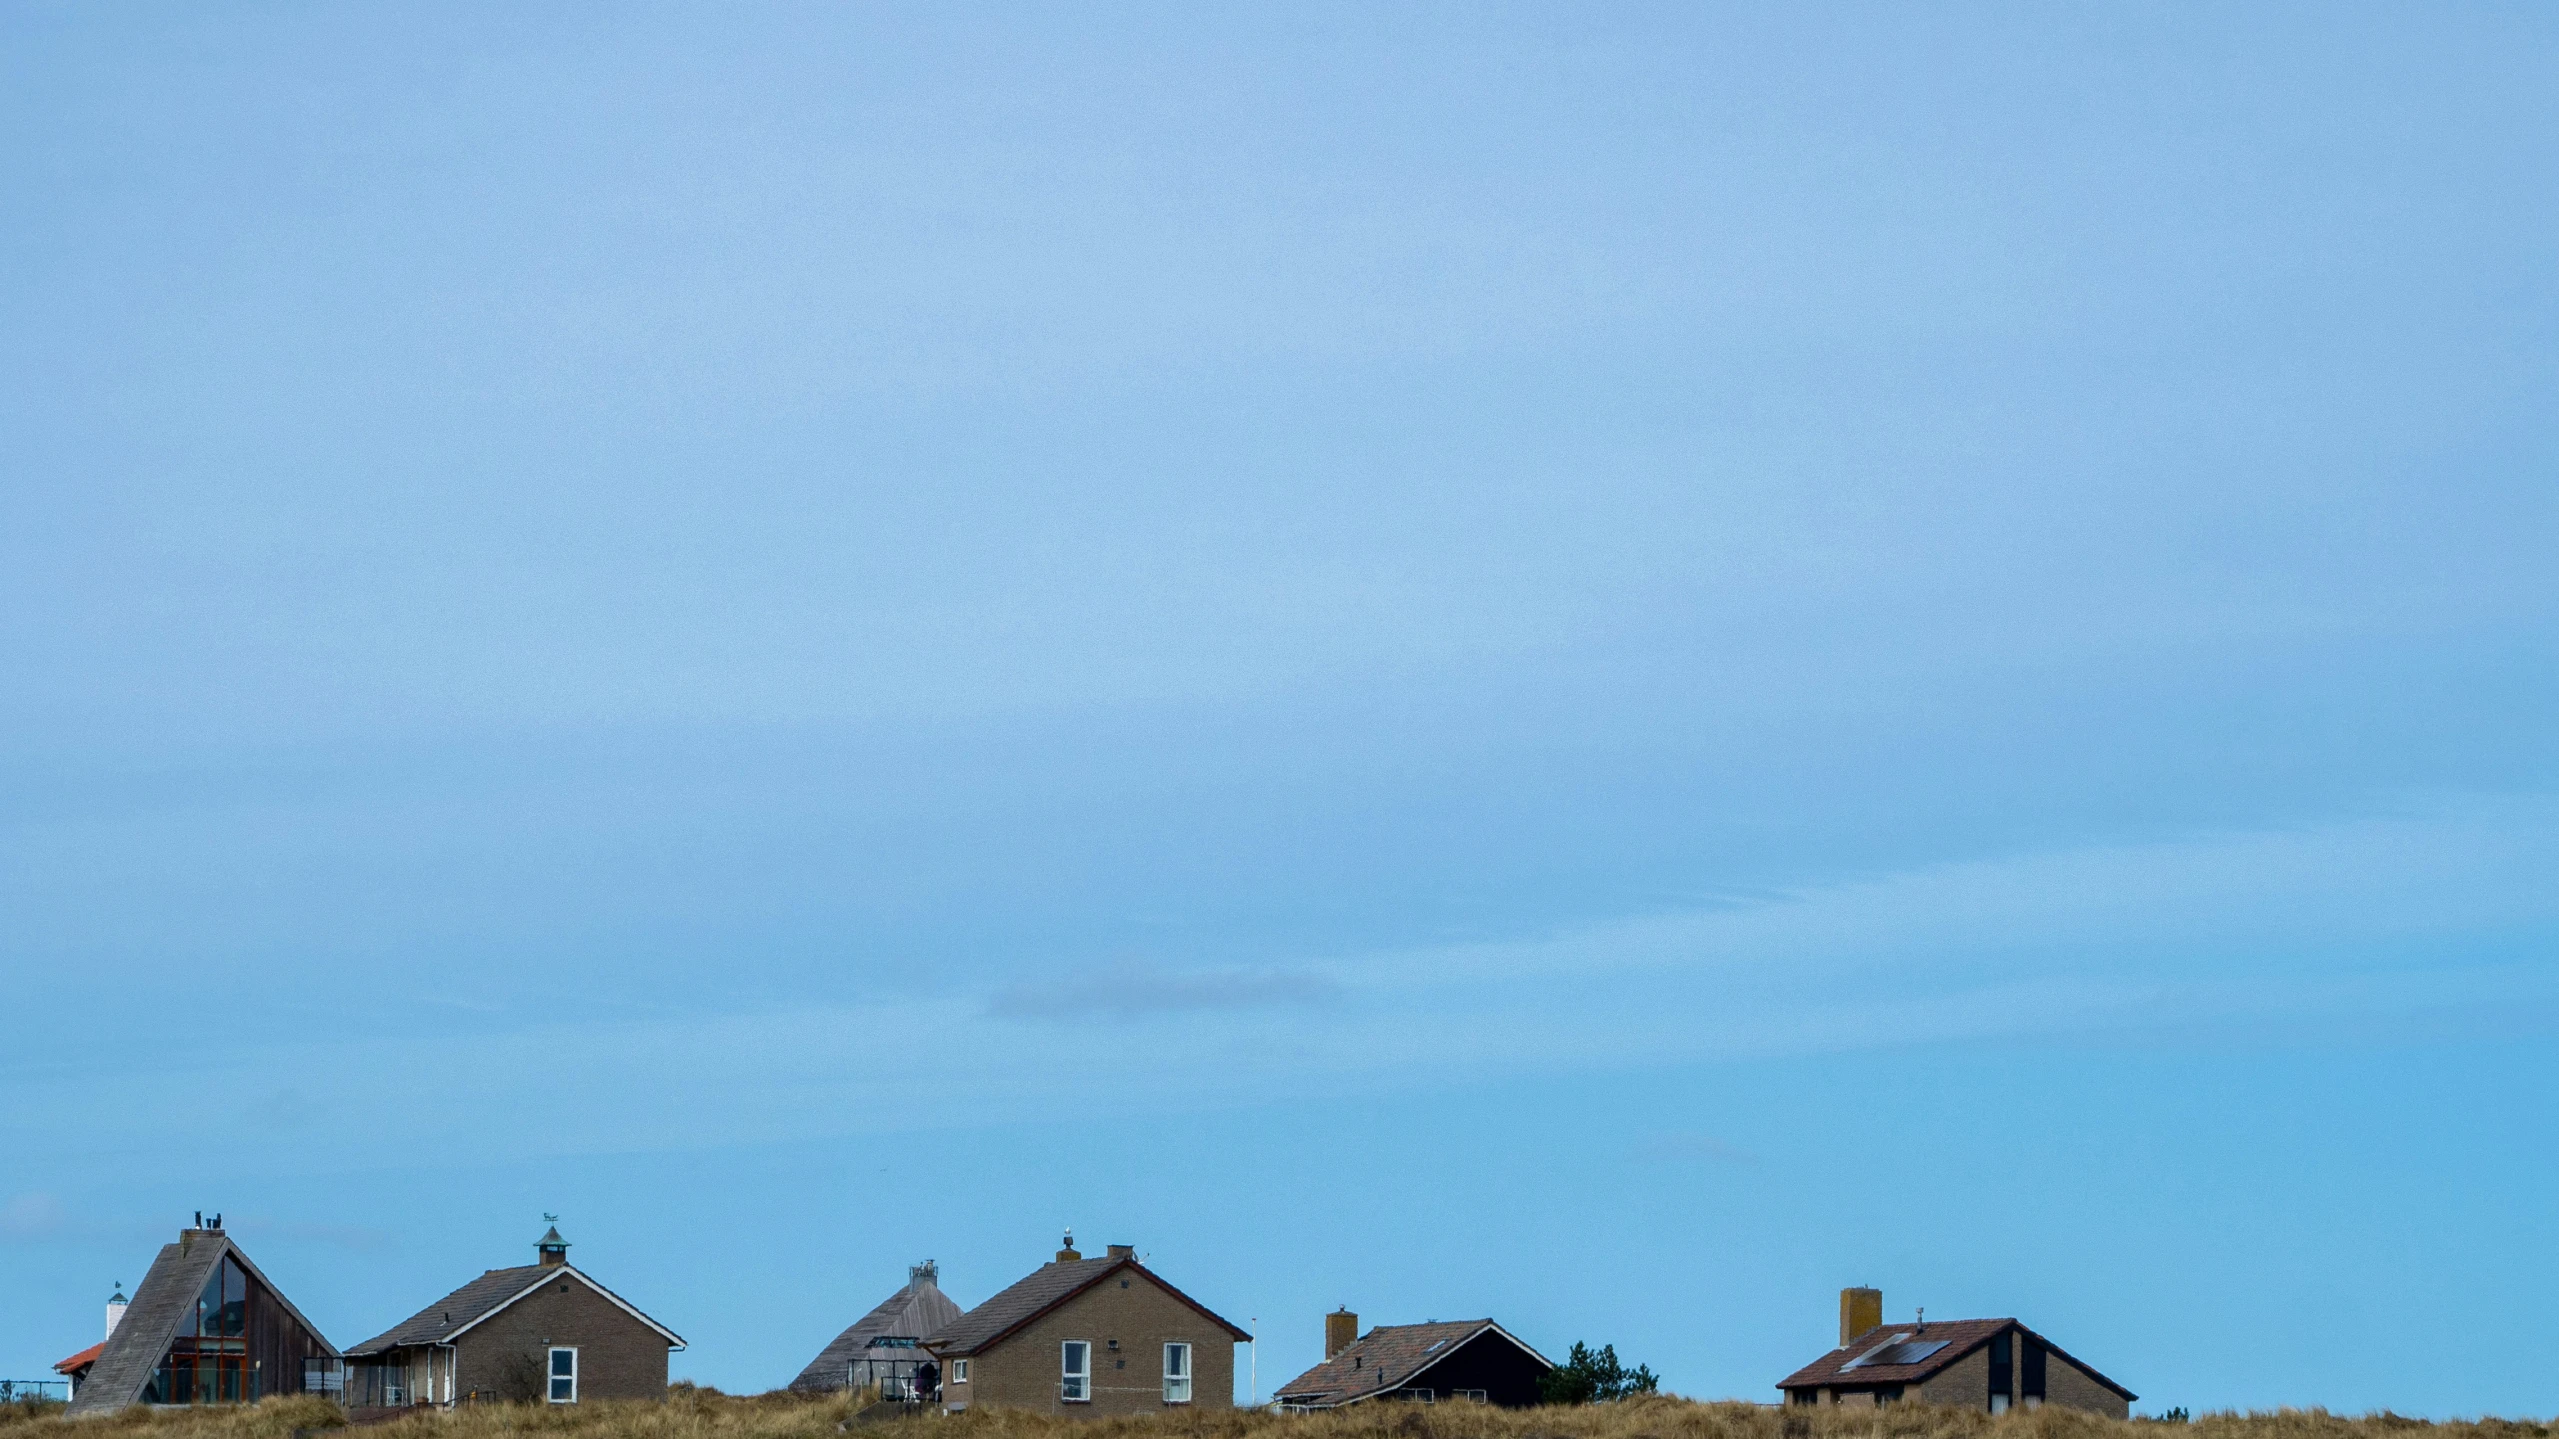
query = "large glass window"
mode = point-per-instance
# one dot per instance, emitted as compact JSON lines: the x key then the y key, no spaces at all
{"x":564,"y":1376}
{"x":1177,"y":1374}
{"x":1075,"y":1371}
{"x":208,"y":1363}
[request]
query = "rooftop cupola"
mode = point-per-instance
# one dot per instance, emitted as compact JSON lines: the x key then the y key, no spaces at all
{"x":115,"y":1309}
{"x":552,"y":1249}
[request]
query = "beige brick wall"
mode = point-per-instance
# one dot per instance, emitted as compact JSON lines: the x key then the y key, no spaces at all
{"x":1965,"y":1383}
{"x":2066,"y":1383}
{"x":1022,"y":1371}
{"x":618,"y":1356}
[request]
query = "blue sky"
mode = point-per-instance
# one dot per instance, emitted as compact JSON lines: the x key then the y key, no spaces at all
{"x":1609,"y":667}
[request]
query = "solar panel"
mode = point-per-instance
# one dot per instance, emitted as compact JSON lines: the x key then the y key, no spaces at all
{"x":1899,"y":1351}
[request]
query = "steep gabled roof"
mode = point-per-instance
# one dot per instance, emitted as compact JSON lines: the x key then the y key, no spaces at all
{"x":1389,"y":1357}
{"x":1849,"y":1366}
{"x":912,"y":1312}
{"x":447,"y":1318}
{"x":163,"y":1302}
{"x":1040,"y":1291}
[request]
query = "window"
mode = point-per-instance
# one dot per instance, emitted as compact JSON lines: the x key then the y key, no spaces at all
{"x":1075,"y":1371}
{"x":564,"y":1376}
{"x":1419,"y":1396}
{"x":1476,"y":1395}
{"x":1177,"y":1374}
{"x":959,"y":1371}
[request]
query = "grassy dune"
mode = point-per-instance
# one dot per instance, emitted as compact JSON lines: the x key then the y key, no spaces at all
{"x":691,"y":1414}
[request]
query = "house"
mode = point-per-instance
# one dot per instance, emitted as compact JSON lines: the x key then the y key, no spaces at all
{"x":75,"y":1370}
{"x":1990,"y":1364}
{"x":886,"y":1346}
{"x":205,"y":1326}
{"x":543,"y":1332}
{"x":1473,"y":1359}
{"x":1089,"y":1336}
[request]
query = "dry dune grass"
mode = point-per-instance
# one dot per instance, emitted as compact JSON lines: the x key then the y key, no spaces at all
{"x":705,"y":1414}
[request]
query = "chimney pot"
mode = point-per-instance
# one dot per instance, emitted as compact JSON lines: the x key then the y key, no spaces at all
{"x":1067,"y":1253}
{"x":1860,"y":1310}
{"x":1341,"y":1331}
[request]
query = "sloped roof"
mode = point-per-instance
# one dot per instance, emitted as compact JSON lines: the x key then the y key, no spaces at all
{"x":494,"y":1290}
{"x":85,"y":1356}
{"x":1389,"y":1357}
{"x":912,"y":1312}
{"x":161,"y":1303}
{"x":1042,"y":1290}
{"x":1962,"y":1336}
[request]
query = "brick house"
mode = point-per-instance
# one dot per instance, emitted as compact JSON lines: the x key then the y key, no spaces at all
{"x":1088,"y":1336}
{"x":1471,"y":1359}
{"x":204,"y":1327}
{"x":543,"y":1332}
{"x":1991,"y":1364}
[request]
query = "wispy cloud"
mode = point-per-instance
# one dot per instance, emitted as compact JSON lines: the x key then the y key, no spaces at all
{"x":35,"y":1215}
{"x":1136,"y":988}
{"x":2319,"y":931}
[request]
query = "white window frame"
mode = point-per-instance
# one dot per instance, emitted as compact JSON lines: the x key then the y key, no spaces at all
{"x":1477,"y":1395}
{"x":551,"y":1375}
{"x":959,"y":1371}
{"x":1081,"y":1380}
{"x":1177,"y":1372}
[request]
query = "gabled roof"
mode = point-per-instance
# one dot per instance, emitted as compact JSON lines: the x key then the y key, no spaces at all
{"x":1391,"y":1356}
{"x":912,"y":1312}
{"x":161,"y":1303}
{"x":1040,"y":1291}
{"x":1845,"y":1366}
{"x":446,"y":1319}
{"x":82,"y":1359}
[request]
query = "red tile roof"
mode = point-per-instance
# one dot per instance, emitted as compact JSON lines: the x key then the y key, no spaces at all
{"x":82,"y":1359}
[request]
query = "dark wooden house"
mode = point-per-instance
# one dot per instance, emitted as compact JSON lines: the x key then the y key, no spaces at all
{"x":543,"y":1332}
{"x":205,"y":1327}
{"x":1469,"y":1359}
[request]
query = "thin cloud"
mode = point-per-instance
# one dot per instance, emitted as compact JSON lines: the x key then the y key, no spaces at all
{"x":35,"y":1215}
{"x":1133,"y":990}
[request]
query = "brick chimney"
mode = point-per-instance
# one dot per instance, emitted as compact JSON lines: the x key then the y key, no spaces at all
{"x":1341,"y":1331}
{"x":1123,"y":1251}
{"x":1068,"y":1254}
{"x":1859,"y":1311}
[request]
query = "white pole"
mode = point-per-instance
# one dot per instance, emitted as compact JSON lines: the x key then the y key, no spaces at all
{"x":1256,"y":1360}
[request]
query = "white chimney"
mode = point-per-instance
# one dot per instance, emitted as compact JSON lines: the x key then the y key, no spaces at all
{"x":115,"y":1309}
